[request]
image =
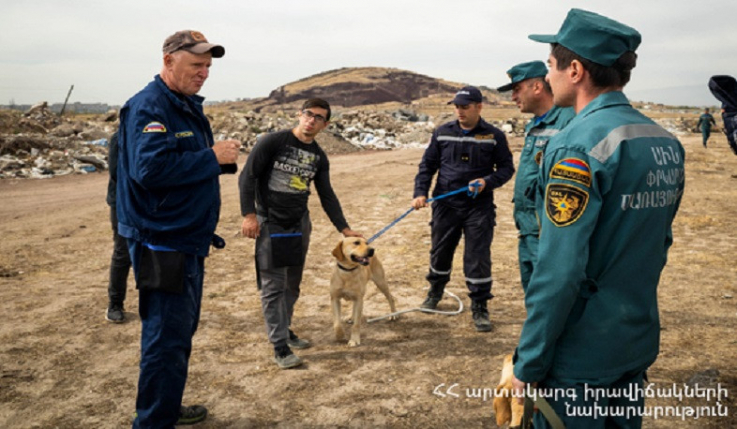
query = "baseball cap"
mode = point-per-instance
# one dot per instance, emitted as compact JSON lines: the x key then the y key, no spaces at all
{"x":467,"y":95}
{"x":191,"y":41}
{"x":524,"y":71}
{"x":593,"y":36}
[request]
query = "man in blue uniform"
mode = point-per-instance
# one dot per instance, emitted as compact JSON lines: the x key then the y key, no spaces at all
{"x":706,"y":120}
{"x":610,"y":186}
{"x":533,"y":95}
{"x":168,"y":207}
{"x":464,"y":152}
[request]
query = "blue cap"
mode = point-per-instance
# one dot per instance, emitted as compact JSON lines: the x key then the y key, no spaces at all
{"x":524,"y":71}
{"x":593,"y":36}
{"x":467,"y":95}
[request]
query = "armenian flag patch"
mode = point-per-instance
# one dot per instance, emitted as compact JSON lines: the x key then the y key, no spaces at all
{"x":572,"y":169}
{"x":564,"y":204}
{"x":154,"y":127}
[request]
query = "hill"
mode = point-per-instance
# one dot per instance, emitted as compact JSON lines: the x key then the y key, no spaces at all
{"x":360,"y":86}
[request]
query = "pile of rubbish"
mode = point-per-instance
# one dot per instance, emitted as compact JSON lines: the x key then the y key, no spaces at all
{"x":40,"y":144}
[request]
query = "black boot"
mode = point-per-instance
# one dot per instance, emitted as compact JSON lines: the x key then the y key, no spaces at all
{"x":434,"y":295}
{"x":480,"y":316}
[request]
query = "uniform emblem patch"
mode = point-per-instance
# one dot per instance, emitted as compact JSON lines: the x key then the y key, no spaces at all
{"x":154,"y":127}
{"x":564,"y":204}
{"x":572,"y":169}
{"x":183,"y":134}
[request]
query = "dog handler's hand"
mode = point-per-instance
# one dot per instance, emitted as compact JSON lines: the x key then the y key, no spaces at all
{"x":250,"y":227}
{"x":519,"y":387}
{"x":419,"y":203}
{"x":481,"y":182}
{"x":347,"y":232}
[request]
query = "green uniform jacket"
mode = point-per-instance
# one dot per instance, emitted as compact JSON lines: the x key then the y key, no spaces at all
{"x":525,"y":183}
{"x":609,"y":188}
{"x":705,"y":122}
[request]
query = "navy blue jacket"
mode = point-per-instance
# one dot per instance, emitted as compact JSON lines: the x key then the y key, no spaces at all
{"x":460,"y":157}
{"x":168,"y":187}
{"x":724,"y":88}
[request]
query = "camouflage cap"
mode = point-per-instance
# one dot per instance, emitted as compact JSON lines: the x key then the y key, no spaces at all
{"x":524,"y":71}
{"x":593,"y":36}
{"x":191,"y":41}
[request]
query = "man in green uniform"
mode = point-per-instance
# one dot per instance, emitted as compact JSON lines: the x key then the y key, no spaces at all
{"x":705,"y":123}
{"x":533,"y":95}
{"x":610,"y":185}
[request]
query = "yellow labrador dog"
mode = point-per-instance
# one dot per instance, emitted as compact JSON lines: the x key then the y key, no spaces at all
{"x":356,"y":265}
{"x":506,"y":407}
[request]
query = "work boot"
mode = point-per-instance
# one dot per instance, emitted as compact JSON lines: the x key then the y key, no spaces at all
{"x":191,"y":415}
{"x":297,"y":343}
{"x":434,"y":295}
{"x":115,"y":313}
{"x":480,"y":316}
{"x":285,"y":358}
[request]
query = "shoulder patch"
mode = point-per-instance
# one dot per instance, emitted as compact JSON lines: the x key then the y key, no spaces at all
{"x":572,"y":169}
{"x":183,"y":134}
{"x":564,"y":204}
{"x":154,"y":127}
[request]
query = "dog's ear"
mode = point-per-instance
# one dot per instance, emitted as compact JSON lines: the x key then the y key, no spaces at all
{"x":338,"y":251}
{"x":503,"y":406}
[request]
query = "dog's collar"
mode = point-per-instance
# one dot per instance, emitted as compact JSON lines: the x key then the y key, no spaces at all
{"x":347,"y":269}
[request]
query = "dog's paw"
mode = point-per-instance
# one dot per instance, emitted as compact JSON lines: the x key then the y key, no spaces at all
{"x":339,"y":333}
{"x":395,"y":317}
{"x":354,"y":342}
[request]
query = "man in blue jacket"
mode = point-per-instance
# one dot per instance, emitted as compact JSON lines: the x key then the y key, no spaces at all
{"x":609,"y":188}
{"x":533,"y":95}
{"x":168,"y":207}
{"x":465,"y":152}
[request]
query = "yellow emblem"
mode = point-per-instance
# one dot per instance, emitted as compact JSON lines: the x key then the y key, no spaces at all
{"x":298,"y":183}
{"x":564,"y":204}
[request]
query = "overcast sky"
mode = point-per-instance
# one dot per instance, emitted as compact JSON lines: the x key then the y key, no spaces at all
{"x":111,"y":49}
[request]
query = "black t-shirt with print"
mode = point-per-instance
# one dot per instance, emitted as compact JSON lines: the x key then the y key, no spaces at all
{"x":276,"y":180}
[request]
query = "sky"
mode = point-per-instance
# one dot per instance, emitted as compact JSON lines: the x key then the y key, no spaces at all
{"x":109,"y":50}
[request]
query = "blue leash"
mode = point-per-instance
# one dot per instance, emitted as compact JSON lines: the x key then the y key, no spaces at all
{"x":471,"y":193}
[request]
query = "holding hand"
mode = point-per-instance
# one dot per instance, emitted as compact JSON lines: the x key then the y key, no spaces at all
{"x":226,"y":151}
{"x":419,"y":203}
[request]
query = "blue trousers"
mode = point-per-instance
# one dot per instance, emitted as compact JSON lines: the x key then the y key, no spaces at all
{"x":168,"y":323}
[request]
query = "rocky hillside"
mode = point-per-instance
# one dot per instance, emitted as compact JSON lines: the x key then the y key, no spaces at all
{"x":361,"y":86}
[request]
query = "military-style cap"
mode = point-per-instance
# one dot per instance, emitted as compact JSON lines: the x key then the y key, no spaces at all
{"x":191,"y":41}
{"x":467,"y":95}
{"x":593,"y":36}
{"x":524,"y":71}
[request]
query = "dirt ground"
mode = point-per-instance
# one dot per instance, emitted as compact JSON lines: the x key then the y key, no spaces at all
{"x":63,"y":366}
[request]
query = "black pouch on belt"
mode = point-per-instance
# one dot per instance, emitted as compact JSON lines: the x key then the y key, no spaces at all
{"x":161,"y":270}
{"x":286,"y":246}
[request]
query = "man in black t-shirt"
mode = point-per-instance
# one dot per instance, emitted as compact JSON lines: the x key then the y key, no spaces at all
{"x":274,"y":189}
